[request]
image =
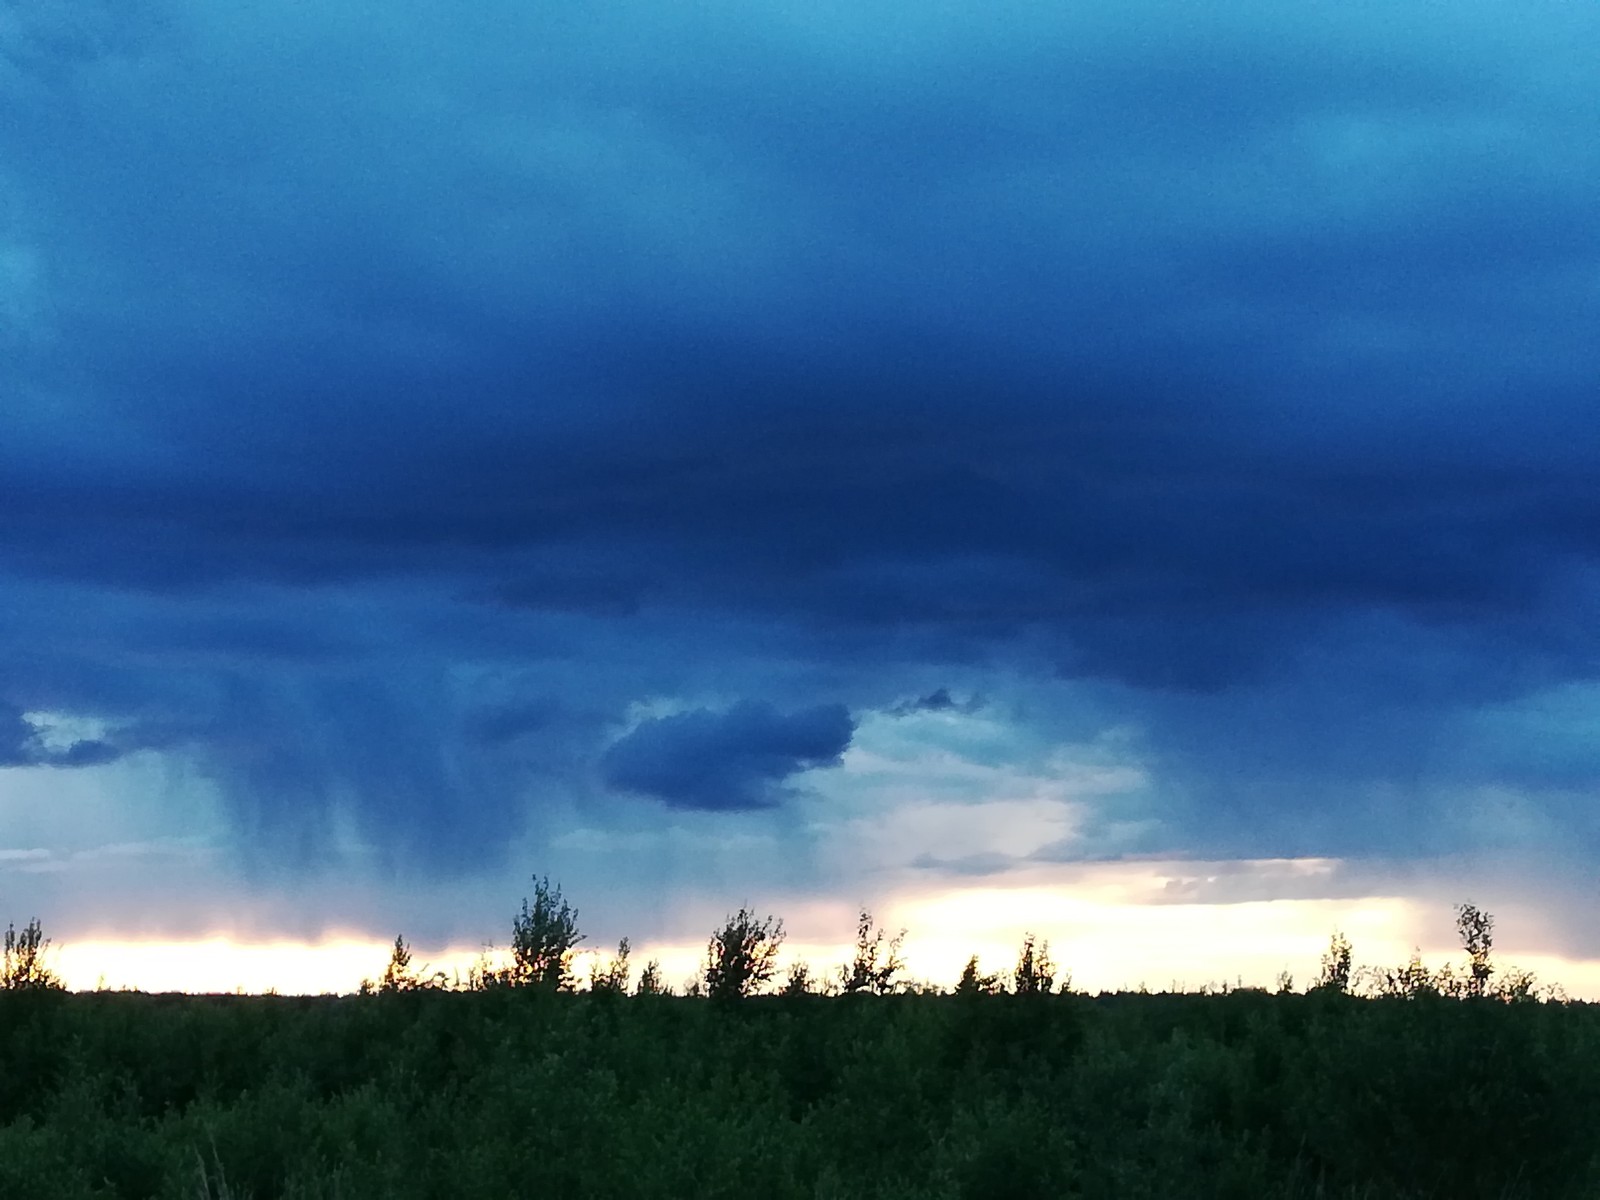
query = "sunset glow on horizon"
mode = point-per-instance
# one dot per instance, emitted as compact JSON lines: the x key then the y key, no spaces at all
{"x":1098,"y":942}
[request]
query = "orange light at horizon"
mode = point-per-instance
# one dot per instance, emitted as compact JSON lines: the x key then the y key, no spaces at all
{"x":1104,"y":932}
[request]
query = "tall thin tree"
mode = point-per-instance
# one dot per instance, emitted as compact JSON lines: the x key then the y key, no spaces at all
{"x":1476,"y":928}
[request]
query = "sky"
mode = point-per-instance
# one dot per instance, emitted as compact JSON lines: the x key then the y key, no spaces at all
{"x":1121,"y":471}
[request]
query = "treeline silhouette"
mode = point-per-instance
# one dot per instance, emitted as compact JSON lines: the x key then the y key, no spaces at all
{"x":523,"y":1080}
{"x":742,"y":955}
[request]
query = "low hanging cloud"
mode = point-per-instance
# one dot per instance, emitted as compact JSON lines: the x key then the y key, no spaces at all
{"x":726,"y":761}
{"x":22,"y":744}
{"x":937,"y":701}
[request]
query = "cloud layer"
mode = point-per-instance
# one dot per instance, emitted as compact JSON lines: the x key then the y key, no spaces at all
{"x":398,"y":401}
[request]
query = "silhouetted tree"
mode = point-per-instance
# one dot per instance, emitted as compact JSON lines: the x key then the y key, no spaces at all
{"x":543,"y":938}
{"x":483,"y":974}
{"x":799,"y":982}
{"x":613,"y":977}
{"x":398,"y":975}
{"x":1476,"y":928}
{"x":742,"y":956}
{"x":1335,"y":976}
{"x":1035,"y":974}
{"x":1517,"y":984}
{"x":972,"y":983}
{"x":877,"y":960}
{"x":23,"y":968}
{"x":1414,"y":980}
{"x":650,"y":981}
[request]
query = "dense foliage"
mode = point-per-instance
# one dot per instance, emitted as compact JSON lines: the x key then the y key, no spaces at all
{"x":506,"y":1092}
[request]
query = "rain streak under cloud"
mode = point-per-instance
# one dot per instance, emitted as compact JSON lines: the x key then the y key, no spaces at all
{"x":816,"y":453}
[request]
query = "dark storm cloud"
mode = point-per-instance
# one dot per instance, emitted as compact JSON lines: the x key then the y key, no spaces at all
{"x":1232,"y":362}
{"x":721,"y":761}
{"x":938,"y":701}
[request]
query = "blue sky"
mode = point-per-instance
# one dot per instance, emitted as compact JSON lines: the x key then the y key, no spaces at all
{"x":440,"y":446}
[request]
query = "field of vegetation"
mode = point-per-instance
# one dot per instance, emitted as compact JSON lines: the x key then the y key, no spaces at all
{"x":521,"y":1083}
